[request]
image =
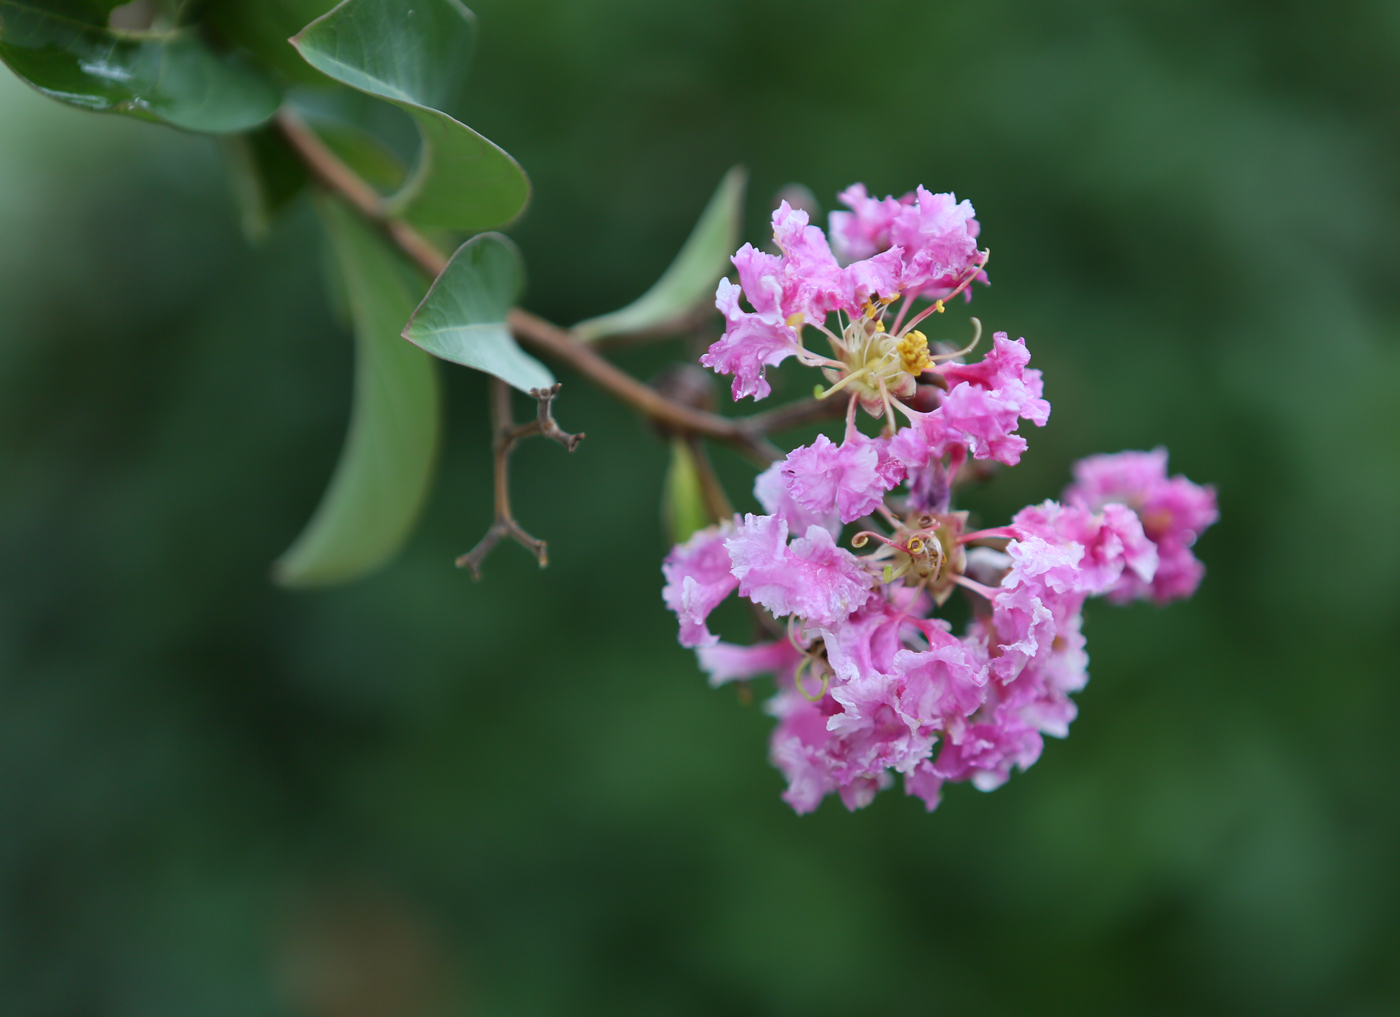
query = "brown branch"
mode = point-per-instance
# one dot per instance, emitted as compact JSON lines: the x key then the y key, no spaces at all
{"x":747,"y":434}
{"x":505,"y":433}
{"x":555,"y":341}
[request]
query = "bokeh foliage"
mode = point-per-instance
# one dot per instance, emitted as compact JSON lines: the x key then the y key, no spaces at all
{"x":519,"y":797}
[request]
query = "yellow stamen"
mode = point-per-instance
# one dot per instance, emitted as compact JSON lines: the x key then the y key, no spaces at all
{"x":913,"y":352}
{"x":794,"y":320}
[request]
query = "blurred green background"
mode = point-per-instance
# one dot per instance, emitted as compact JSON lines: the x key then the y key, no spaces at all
{"x":419,"y":795}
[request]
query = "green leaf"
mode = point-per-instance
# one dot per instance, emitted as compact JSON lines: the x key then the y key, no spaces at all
{"x":369,"y":157}
{"x":683,"y":498}
{"x":263,"y":28}
{"x":413,"y":56}
{"x":382,"y":478}
{"x":266,"y":176}
{"x":171,"y":77}
{"x":690,"y":280}
{"x":463,"y":317}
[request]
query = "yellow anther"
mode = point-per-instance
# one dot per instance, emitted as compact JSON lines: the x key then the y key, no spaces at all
{"x":913,"y":352}
{"x":915,"y":545}
{"x":879,"y":326}
{"x":938,"y":306}
{"x":796,"y":319}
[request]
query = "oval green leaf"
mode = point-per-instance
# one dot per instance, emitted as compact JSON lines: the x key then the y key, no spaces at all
{"x":171,"y":77}
{"x":690,"y":280}
{"x":382,"y":479}
{"x":463,"y":317}
{"x":413,"y":56}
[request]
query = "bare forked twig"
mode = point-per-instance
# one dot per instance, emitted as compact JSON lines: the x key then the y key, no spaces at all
{"x":506,"y":432}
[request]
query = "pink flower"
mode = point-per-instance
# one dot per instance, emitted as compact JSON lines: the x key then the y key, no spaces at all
{"x":985,"y":422}
{"x":1038,"y":563}
{"x":850,"y":479}
{"x":751,"y":342}
{"x":926,"y":440}
{"x":1173,"y":512}
{"x":1003,"y":371}
{"x":811,"y":277}
{"x":984,"y":752}
{"x":865,"y":230}
{"x":1110,"y":541}
{"x":771,"y":489}
{"x":935,"y":235}
{"x":798,"y":748}
{"x":811,"y":578}
{"x":981,"y":411}
{"x":879,"y":276}
{"x":986,"y":400}
{"x":726,"y":662}
{"x":698,"y":576}
{"x":939,"y":236}
{"x":1022,"y":627}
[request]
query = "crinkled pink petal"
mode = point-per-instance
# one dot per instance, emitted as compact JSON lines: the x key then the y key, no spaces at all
{"x":873,"y":277}
{"x":812,"y":278}
{"x":938,"y":234}
{"x":985,"y":752}
{"x":761,"y":277}
{"x":1004,"y":371}
{"x":926,"y":439}
{"x":726,"y":662}
{"x":864,"y":644}
{"x":1125,"y":477}
{"x":986,"y":423}
{"x":946,"y":680}
{"x":813,"y":578}
{"x":797,"y":749}
{"x":923,"y":783}
{"x":1022,"y":627}
{"x":1111,"y":541}
{"x":865,"y":230}
{"x":771,"y":489}
{"x":751,"y":342}
{"x":987,"y":398}
{"x":1038,"y":562}
{"x":849,"y":479}
{"x":1173,"y":512}
{"x":698,"y":576}
{"x":1139,"y":554}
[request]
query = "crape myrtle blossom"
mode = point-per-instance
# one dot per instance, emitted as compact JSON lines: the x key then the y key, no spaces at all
{"x":1174,"y":512}
{"x":871,"y":684}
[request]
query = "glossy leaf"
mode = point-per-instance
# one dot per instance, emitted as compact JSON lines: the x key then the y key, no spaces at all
{"x":463,"y":317}
{"x":683,"y":508}
{"x":263,"y":28}
{"x":382,"y":478}
{"x":690,"y":280}
{"x":172,"y":77}
{"x":413,"y":56}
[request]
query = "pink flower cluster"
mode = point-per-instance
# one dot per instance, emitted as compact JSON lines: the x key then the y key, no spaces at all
{"x":871,"y":682}
{"x":922,"y":245}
